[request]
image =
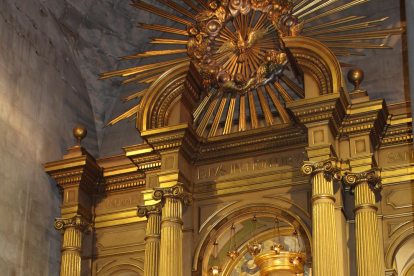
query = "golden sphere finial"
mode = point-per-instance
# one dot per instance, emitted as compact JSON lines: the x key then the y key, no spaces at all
{"x":356,"y":76}
{"x":79,"y":132}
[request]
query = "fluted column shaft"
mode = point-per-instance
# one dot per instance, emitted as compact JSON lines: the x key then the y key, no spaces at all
{"x":368,"y":251}
{"x":171,"y":251}
{"x":152,"y":238}
{"x":72,"y":244}
{"x":324,"y":238}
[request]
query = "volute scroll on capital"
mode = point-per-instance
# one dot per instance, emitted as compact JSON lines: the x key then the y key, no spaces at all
{"x":75,"y":222}
{"x":331,"y":165}
{"x":177,"y":192}
{"x":373,"y":177}
{"x":146,"y":210}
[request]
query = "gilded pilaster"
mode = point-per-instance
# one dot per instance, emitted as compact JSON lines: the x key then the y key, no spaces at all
{"x":171,"y":253}
{"x":152,"y":238}
{"x":325,"y":256}
{"x":368,"y":252}
{"x":72,"y":230}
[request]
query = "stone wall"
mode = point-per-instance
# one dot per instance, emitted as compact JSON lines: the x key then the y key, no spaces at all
{"x":42,"y":97}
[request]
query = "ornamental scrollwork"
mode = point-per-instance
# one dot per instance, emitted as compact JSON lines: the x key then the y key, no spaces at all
{"x":332,"y":166}
{"x":213,"y":20}
{"x":75,"y":222}
{"x":146,"y":210}
{"x":177,"y":192}
{"x":372,"y":177}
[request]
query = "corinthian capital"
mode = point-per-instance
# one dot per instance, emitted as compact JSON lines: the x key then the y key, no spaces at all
{"x":373,"y":177}
{"x":75,"y":222}
{"x":176,"y":191}
{"x":331,"y":165}
{"x":146,"y":210}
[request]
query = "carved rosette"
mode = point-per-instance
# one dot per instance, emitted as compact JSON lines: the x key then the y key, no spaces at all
{"x":372,"y":177}
{"x":146,"y":210}
{"x":177,"y":192}
{"x":75,"y":222}
{"x":332,"y":166}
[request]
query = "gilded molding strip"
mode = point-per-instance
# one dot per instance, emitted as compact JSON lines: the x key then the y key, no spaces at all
{"x":242,"y":113}
{"x":398,"y":225}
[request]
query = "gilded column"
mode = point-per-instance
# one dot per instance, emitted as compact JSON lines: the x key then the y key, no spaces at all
{"x":72,"y":230}
{"x":171,"y":251}
{"x":324,"y":239}
{"x":368,"y":251}
{"x":152,"y":238}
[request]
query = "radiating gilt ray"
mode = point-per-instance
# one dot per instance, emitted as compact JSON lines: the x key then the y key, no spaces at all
{"x":321,"y":6}
{"x":124,"y":116}
{"x":135,"y":95}
{"x":178,"y":8}
{"x":333,"y":23}
{"x":217,"y":118}
{"x":336,"y":10}
{"x":151,"y":9}
{"x":206,"y":118}
{"x":341,"y":52}
{"x":265,"y":107}
{"x":282,"y":111}
{"x":282,"y":92}
{"x":162,"y":28}
{"x":311,"y":4}
{"x":143,"y":68}
{"x":156,"y":53}
{"x":204,"y":102}
{"x":141,"y":76}
{"x":242,"y":113}
{"x":358,"y":45}
{"x":192,"y":5}
{"x":230,"y":113}
{"x":168,"y":41}
{"x":295,"y":88}
{"x":300,"y":4}
{"x":252,"y":108}
{"x":381,"y":34}
{"x":351,"y":27}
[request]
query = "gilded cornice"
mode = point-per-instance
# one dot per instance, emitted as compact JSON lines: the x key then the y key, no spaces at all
{"x":366,"y":117}
{"x":399,"y":131}
{"x":372,"y":177}
{"x":144,"y":157}
{"x":177,"y":192}
{"x":75,"y":222}
{"x":252,"y":141}
{"x":181,"y":137}
{"x":77,"y":171}
{"x":330,"y":107}
{"x":331,"y":165}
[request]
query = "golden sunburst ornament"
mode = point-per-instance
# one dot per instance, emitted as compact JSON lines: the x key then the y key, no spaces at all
{"x":237,"y":47}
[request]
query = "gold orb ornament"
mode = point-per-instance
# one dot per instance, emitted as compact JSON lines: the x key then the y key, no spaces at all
{"x":80,"y":133}
{"x":356,"y":76}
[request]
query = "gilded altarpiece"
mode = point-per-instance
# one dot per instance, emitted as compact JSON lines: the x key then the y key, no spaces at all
{"x":255,"y":123}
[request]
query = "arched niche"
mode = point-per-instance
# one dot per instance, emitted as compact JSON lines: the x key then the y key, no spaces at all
{"x":397,"y":254}
{"x":221,"y":226}
{"x":121,"y":269}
